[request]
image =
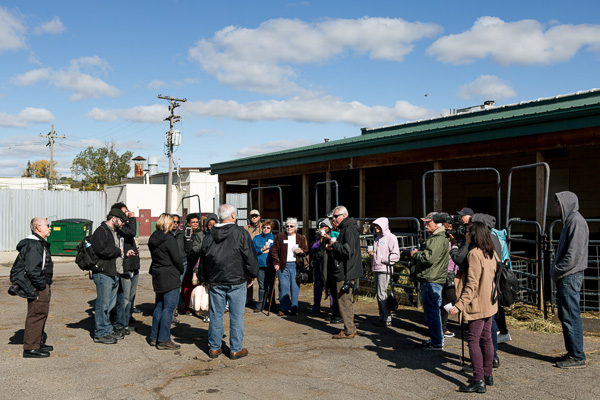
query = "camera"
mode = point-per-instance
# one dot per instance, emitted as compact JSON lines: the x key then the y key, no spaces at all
{"x":459,"y":229}
{"x":347,"y":286}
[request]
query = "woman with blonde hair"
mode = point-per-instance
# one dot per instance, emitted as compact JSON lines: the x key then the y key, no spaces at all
{"x":474,"y":287}
{"x":166,"y":269}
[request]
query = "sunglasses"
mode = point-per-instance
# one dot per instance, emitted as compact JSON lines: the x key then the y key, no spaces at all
{"x":290,"y":226}
{"x":175,"y":221}
{"x":336,"y":215}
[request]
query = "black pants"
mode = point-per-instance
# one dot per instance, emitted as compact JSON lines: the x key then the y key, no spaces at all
{"x":448,"y":296}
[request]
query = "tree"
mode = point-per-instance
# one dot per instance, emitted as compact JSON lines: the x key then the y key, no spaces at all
{"x":39,"y":169}
{"x":101,"y":166}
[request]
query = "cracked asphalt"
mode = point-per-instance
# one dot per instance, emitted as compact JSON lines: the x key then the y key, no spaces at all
{"x":290,"y":357}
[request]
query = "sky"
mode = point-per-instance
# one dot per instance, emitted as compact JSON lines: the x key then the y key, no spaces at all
{"x":262,"y":76}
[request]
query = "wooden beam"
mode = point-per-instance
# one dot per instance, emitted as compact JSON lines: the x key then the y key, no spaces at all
{"x":260,"y":198}
{"x":362,"y":193}
{"x":540,"y":175}
{"x":305,"y":206}
{"x":222,"y":192}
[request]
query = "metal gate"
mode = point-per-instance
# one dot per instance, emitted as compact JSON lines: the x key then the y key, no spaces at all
{"x":337,"y":196}
{"x":279,"y":221}
{"x":528,"y":260}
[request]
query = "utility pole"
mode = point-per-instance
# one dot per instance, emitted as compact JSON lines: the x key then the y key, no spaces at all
{"x":169,"y":143}
{"x":51,"y":136}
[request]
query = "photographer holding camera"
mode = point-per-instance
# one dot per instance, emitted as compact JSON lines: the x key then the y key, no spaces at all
{"x":348,"y":267}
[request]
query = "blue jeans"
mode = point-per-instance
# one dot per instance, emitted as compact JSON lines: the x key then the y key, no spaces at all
{"x":235,"y":297}
{"x":125,"y":295}
{"x":106,"y":298}
{"x":163,"y":315}
{"x":431,"y":294}
{"x":288,"y":288}
{"x":569,"y":313}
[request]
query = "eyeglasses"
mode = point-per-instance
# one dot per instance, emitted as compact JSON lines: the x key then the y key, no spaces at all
{"x":266,"y":227}
{"x":175,"y":222}
{"x":290,"y":226}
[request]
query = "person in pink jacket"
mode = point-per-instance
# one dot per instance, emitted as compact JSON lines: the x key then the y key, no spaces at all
{"x":384,"y":255}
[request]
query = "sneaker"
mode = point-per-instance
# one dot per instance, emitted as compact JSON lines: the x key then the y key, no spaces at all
{"x":108,"y":339}
{"x":206,"y":319}
{"x":382,"y":324}
{"x":561,"y":358}
{"x":116,"y":335}
{"x":170,"y":345}
{"x":570,"y":362}
{"x":430,"y":346}
{"x":151,"y":342}
{"x":122,"y":331}
{"x":504,"y":337}
{"x":449,"y":334}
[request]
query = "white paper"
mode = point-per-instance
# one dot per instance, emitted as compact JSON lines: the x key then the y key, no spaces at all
{"x":447,"y":307}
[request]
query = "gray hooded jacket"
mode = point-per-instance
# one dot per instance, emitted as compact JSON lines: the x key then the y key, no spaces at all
{"x":572,"y":251}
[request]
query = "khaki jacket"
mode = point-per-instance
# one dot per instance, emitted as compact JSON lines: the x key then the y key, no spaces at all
{"x":474,"y":287}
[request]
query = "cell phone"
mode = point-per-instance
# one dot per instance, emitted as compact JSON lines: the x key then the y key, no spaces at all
{"x":188,"y":232}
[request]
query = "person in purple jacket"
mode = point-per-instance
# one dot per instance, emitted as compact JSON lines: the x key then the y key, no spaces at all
{"x":384,"y":255}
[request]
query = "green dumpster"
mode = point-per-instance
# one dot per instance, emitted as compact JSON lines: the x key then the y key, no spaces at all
{"x":65,"y":235}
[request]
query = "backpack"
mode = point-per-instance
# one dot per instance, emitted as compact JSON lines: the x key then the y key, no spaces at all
{"x":501,"y":235}
{"x":86,"y":258}
{"x":506,"y":286}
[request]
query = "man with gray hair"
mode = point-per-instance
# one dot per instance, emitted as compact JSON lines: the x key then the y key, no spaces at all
{"x":229,"y":265}
{"x":347,"y":268}
{"x":31,"y":276}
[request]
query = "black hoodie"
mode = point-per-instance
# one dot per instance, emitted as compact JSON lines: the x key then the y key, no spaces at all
{"x":33,"y":267}
{"x":227,"y":256}
{"x":166,"y":267}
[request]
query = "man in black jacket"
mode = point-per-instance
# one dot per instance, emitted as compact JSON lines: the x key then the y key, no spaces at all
{"x":106,"y":245}
{"x":229,"y":265}
{"x":31,"y":274}
{"x":128,"y":278}
{"x":348,"y":268}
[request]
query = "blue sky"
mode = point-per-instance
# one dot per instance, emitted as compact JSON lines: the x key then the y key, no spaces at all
{"x":262,"y":76}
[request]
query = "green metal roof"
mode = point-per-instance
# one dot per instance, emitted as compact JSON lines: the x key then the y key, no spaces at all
{"x":572,"y":111}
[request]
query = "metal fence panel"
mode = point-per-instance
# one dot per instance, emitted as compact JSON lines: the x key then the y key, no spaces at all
{"x":18,"y":207}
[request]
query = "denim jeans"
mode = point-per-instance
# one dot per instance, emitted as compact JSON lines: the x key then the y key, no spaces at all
{"x":288,"y":288}
{"x":431,"y":294}
{"x":481,"y":349}
{"x":266,"y":279}
{"x":163,"y":315}
{"x":569,"y":313}
{"x":106,"y":298}
{"x":127,"y":288}
{"x":235,"y":296}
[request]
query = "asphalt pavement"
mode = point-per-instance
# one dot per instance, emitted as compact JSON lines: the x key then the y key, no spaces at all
{"x":290,"y":357}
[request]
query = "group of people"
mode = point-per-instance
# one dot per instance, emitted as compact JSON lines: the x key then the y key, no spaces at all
{"x":458,"y":274}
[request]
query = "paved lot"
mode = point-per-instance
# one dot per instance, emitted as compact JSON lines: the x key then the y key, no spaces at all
{"x":290,"y":358}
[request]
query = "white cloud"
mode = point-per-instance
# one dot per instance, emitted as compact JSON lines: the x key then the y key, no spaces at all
{"x":524,"y":42}
{"x":53,"y":27}
{"x":153,"y":113}
{"x":26,"y":117}
{"x":270,"y":147}
{"x":262,"y":59}
{"x":486,"y":87}
{"x":12,"y":31}
{"x":157,"y":84}
{"x":72,"y":78}
{"x":323,"y":109}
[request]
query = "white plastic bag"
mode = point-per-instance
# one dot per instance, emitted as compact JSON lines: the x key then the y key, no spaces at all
{"x":200,"y":298}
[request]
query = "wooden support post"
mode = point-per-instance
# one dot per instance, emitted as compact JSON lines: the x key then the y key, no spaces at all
{"x":305,"y":206}
{"x":222,"y":193}
{"x":437,"y":188}
{"x":260,"y":204}
{"x":362,"y":193}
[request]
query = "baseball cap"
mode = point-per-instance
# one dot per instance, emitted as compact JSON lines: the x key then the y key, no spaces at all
{"x":466,"y":211}
{"x":254,"y":212}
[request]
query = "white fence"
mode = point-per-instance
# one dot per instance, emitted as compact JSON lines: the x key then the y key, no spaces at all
{"x":18,"y":207}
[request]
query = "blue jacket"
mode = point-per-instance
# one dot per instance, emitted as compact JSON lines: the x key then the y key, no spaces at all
{"x":264,"y":259}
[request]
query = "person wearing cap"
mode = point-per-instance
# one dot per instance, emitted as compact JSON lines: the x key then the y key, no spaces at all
{"x":319,"y":259}
{"x":109,"y":250}
{"x":466,"y":214}
{"x":432,"y":269}
{"x":254,"y":228}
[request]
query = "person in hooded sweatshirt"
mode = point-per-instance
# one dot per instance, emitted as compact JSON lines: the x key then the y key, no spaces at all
{"x":228,"y":264}
{"x":384,"y":255}
{"x":570,"y":260}
{"x":31,"y":275}
{"x":166,"y":269}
